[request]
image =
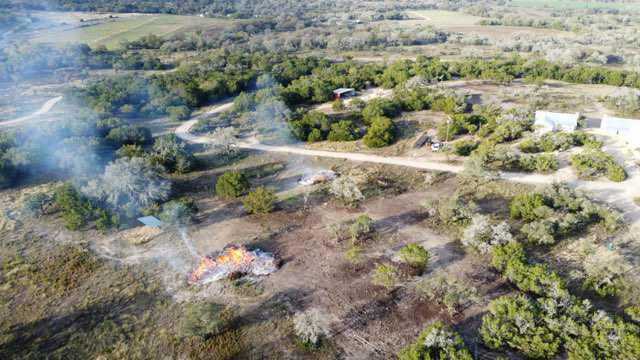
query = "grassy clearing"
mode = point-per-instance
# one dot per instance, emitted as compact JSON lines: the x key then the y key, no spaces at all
{"x":112,"y":31}
{"x":440,"y":18}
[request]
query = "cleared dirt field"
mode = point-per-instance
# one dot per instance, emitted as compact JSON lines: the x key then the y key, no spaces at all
{"x":367,"y":321}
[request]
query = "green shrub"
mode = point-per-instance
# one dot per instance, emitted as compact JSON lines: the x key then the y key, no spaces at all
{"x":259,"y":201}
{"x":385,"y":275}
{"x":511,"y":129}
{"x":361,"y":227}
{"x":313,"y":126}
{"x":130,"y":151}
{"x":633,"y":312}
{"x":77,"y":211}
{"x":231,"y":184}
{"x":616,"y":173}
{"x":244,"y":102}
{"x":436,"y":341}
{"x":594,"y":163}
{"x":414,"y":255}
{"x":529,"y":145}
{"x":129,"y":135}
{"x":314,"y":136}
{"x":337,"y":105}
{"x":465,"y":147}
{"x":178,"y":113}
{"x":510,"y":259}
{"x":343,"y":130}
{"x":353,"y":253}
{"x":540,"y":232}
{"x":546,"y":163}
{"x":381,"y":132}
{"x":523,"y":206}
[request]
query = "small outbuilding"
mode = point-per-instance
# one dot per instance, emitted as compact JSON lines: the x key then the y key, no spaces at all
{"x":343,"y":93}
{"x":629,"y":129}
{"x":550,"y":121}
{"x":151,"y":221}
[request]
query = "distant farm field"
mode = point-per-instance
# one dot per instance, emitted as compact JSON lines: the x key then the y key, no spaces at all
{"x":575,"y":4}
{"x":469,"y":25}
{"x":112,"y":31}
{"x":439,"y":18}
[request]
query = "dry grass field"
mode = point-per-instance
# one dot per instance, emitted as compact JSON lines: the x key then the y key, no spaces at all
{"x":104,"y":30}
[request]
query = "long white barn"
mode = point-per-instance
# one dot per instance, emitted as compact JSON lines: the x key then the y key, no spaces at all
{"x":629,"y":129}
{"x":550,"y":121}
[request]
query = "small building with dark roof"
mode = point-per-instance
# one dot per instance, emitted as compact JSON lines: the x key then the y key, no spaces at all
{"x":343,"y":93}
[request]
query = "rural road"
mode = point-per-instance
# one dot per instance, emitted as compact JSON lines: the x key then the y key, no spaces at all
{"x":620,"y":195}
{"x":45,"y":108}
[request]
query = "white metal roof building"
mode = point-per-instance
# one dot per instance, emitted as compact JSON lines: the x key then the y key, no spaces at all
{"x":550,"y":121}
{"x":629,"y":129}
{"x":151,"y":221}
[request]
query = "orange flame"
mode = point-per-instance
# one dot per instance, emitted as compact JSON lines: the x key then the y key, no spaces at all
{"x":233,"y":257}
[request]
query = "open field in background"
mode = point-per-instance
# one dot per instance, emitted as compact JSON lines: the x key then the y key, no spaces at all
{"x":112,"y":31}
{"x":574,"y":4}
{"x":469,"y":25}
{"x":440,"y":18}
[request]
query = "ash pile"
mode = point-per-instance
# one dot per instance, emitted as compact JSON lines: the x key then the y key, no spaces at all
{"x":317,"y":178}
{"x":233,"y":261}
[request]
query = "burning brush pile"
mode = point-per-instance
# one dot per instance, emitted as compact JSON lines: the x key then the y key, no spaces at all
{"x":232,"y":261}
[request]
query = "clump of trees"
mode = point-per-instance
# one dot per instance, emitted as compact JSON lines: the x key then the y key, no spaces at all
{"x":381,"y":132}
{"x":436,"y":341}
{"x":542,"y":327}
{"x":27,"y":60}
{"x":559,"y":212}
{"x":77,"y":209}
{"x":129,"y":185}
{"x":594,"y":163}
{"x":558,"y":141}
{"x":492,"y":157}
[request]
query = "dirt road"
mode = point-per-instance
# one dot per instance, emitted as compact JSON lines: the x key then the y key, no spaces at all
{"x":620,"y":195}
{"x":45,"y":108}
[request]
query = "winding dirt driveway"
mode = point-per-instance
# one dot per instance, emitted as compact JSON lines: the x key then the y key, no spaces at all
{"x":620,"y":195}
{"x":45,"y":108}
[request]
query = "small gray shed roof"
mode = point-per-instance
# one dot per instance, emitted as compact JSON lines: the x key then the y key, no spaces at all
{"x":341,"y":91}
{"x":150,"y":221}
